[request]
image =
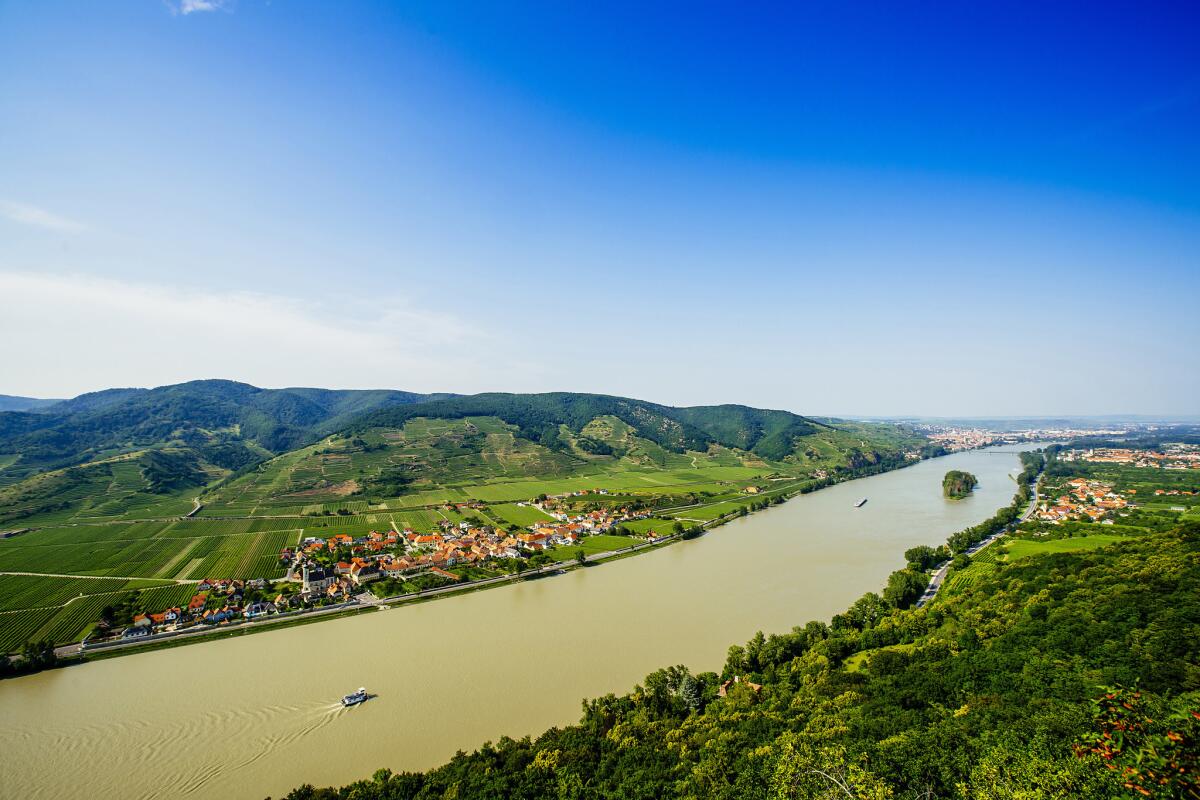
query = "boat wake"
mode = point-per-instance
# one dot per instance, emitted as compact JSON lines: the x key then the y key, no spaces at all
{"x":256,"y":732}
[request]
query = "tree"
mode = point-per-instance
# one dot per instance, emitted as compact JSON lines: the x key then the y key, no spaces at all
{"x":868,"y":610}
{"x":957,"y":483}
{"x":904,"y":587}
{"x":38,"y":655}
{"x":810,"y":770}
{"x":580,"y":556}
{"x":922,"y":557}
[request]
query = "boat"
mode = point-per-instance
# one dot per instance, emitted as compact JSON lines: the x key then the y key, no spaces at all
{"x":354,"y":699}
{"x":860,"y":503}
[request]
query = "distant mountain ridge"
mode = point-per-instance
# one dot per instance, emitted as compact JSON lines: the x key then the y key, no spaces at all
{"x":117,"y":449}
{"x":9,"y":402}
{"x":767,"y":433}
{"x":192,"y":414}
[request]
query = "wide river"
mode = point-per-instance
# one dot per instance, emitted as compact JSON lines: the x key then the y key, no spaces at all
{"x":257,"y":715}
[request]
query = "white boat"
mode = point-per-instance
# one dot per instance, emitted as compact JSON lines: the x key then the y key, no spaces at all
{"x":860,"y":503}
{"x":354,"y":699}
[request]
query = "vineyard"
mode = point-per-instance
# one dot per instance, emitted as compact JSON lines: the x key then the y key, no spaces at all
{"x":983,"y":565}
{"x":64,"y":609}
{"x":32,"y":591}
{"x":17,"y":627}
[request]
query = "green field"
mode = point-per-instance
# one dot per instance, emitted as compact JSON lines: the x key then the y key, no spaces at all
{"x":857,"y":661}
{"x":149,"y":550}
{"x":592,"y":545}
{"x":1023,"y":548}
{"x":522,"y":516}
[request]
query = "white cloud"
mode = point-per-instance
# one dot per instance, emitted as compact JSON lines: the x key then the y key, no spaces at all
{"x":25,"y":214}
{"x":191,"y":6}
{"x":64,"y":334}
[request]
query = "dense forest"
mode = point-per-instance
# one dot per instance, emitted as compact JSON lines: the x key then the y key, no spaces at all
{"x":958,"y":484}
{"x":1061,"y":676}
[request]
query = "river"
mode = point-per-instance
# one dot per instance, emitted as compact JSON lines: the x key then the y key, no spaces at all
{"x":257,"y":715}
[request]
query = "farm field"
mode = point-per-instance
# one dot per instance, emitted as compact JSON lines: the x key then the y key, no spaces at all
{"x":62,"y":610}
{"x":147,"y":549}
{"x":34,"y":591}
{"x":983,"y":564}
{"x":592,"y":545}
{"x":1023,"y":548}
{"x":513,"y":514}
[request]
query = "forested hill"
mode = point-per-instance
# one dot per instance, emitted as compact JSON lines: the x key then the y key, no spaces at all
{"x":1068,"y":675}
{"x":10,"y":402}
{"x":155,"y":450}
{"x":211,"y":413}
{"x":538,"y":417}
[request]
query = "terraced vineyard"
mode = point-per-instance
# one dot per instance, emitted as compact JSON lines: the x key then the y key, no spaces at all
{"x":983,"y":564}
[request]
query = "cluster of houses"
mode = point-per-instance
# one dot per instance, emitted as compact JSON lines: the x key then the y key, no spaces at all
{"x":1175,"y":456}
{"x":955,"y":439}
{"x":200,"y":611}
{"x":338,"y":567}
{"x":406,"y":554}
{"x":1085,"y":498}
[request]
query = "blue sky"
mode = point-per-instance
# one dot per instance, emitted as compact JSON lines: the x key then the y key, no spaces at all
{"x":827,"y":207}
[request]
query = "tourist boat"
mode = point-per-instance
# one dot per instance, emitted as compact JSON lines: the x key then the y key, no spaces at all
{"x":860,"y":503}
{"x":354,"y":699}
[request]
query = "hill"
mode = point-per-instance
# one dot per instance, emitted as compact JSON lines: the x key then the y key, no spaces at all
{"x":772,"y":435}
{"x":10,"y":402}
{"x":195,"y":414}
{"x":515,"y":446}
{"x":121,"y":449}
{"x":141,"y":452}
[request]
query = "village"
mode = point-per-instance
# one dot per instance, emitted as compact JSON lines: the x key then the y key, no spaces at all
{"x":1173,"y":456}
{"x":1085,"y":498}
{"x":337,"y":570}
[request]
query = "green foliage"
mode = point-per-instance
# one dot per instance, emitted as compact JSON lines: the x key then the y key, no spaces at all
{"x":904,"y":587}
{"x":1152,"y":743}
{"x":957,"y":483}
{"x":171,"y":471}
{"x":923,"y":557}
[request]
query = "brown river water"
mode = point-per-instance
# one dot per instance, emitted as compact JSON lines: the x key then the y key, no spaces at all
{"x":257,"y":715}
